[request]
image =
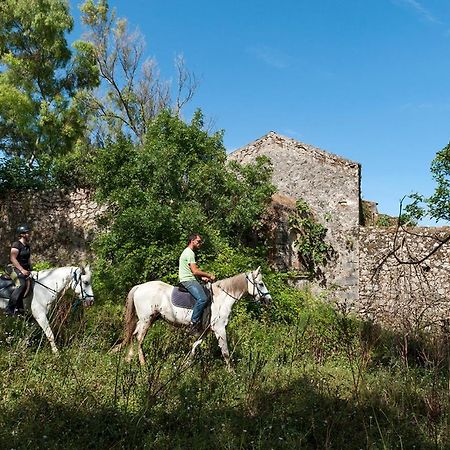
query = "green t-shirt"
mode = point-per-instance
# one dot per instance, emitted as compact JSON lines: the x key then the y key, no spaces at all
{"x":184,"y":271}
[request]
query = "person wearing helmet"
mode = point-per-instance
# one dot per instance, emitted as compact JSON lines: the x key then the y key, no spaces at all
{"x":20,"y":260}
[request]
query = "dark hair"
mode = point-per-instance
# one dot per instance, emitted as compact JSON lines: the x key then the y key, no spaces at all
{"x":192,"y":237}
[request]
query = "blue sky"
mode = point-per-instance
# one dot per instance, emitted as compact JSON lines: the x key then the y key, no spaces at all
{"x":365,"y":79}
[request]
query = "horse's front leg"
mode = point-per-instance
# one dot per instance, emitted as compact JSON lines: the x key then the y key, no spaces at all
{"x":141,"y":336}
{"x":221,"y":336}
{"x":40,"y":314}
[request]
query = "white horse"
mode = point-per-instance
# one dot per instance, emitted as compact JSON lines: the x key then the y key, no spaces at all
{"x":47,"y":286}
{"x":150,"y":301}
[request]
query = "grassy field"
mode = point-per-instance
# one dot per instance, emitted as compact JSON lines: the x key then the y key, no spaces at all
{"x":327,"y":381}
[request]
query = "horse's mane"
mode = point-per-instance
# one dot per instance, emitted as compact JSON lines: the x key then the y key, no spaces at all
{"x":46,"y":272}
{"x":237,"y":282}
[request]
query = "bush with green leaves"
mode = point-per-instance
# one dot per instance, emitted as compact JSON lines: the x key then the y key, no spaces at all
{"x":310,"y":243}
{"x":178,"y":182}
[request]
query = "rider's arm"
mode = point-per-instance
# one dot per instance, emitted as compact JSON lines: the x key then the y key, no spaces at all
{"x":13,"y":258}
{"x":199,"y":273}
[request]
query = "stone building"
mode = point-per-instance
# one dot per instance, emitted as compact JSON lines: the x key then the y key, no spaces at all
{"x":397,"y":277}
{"x":382,"y":274}
{"x":330,"y":185}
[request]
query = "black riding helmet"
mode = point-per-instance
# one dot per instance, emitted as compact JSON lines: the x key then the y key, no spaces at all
{"x":22,"y":229}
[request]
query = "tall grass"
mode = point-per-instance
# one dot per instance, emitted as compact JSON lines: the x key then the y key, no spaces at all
{"x":324,"y":381}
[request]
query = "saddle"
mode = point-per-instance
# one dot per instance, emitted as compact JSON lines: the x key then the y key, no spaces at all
{"x":8,"y":285}
{"x":181,"y":298}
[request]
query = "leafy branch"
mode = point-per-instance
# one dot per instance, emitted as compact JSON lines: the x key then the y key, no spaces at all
{"x":310,"y":243}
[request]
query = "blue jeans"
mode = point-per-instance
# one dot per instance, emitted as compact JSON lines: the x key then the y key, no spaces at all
{"x":201,"y":299}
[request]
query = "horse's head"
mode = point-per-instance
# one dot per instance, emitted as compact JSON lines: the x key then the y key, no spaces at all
{"x":256,"y":287}
{"x":82,"y":284}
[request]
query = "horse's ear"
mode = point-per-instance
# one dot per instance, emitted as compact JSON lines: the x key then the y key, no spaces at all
{"x":258,"y":270}
{"x":85,"y":268}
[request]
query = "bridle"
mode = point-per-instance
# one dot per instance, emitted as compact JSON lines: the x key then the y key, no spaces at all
{"x":76,"y":280}
{"x":255,"y":286}
{"x":85,"y":298}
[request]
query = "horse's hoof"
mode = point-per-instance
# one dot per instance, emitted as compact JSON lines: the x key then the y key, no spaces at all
{"x":116,"y":348}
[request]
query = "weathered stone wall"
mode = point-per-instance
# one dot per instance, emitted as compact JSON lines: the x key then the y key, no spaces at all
{"x":282,"y":253}
{"x":394,"y":292}
{"x":63,"y":223}
{"x":330,"y":185}
{"x":374,"y":280}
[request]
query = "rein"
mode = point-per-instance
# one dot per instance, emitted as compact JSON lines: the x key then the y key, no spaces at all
{"x":35,"y":280}
{"x":77,"y":281}
{"x":255,"y":288}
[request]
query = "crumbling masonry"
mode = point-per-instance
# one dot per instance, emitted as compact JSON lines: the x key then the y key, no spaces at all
{"x":370,"y":271}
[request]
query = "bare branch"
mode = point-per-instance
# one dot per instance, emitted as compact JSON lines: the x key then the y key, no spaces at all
{"x":186,"y":84}
{"x":135,"y":91}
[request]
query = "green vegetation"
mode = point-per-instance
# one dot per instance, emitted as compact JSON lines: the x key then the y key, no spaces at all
{"x":177,"y":183}
{"x":42,"y":80}
{"x":52,"y":118}
{"x":437,"y":206}
{"x":312,"y":248}
{"x":323,"y":381}
{"x":305,"y":376}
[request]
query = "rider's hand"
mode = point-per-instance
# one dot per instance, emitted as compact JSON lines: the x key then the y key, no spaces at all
{"x":25,"y":272}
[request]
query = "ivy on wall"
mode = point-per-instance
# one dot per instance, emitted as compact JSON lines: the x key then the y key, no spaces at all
{"x":310,"y":243}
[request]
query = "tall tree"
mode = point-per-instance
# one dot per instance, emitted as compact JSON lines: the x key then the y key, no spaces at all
{"x":41,"y":80}
{"x":133,"y":91}
{"x":178,"y":182}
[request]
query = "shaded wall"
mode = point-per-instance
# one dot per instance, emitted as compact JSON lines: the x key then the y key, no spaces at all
{"x":63,"y":224}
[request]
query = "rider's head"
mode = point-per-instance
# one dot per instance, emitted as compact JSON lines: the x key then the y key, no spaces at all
{"x":196,"y":239}
{"x":23,"y":229}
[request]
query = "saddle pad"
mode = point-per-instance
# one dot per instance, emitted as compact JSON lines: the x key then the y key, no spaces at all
{"x":182,"y":299}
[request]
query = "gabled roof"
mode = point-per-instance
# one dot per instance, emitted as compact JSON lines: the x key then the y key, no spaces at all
{"x":278,"y":140}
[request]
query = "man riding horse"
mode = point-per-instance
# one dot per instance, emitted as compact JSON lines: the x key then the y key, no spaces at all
{"x":20,"y":267}
{"x":188,"y":271}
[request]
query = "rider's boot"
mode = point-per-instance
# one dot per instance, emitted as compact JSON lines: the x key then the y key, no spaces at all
{"x":12,"y":304}
{"x":195,"y":329}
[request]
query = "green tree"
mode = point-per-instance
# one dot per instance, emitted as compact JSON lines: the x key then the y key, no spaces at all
{"x":132,"y":91}
{"x":437,"y":206}
{"x":41,"y":116}
{"x":177,"y":182}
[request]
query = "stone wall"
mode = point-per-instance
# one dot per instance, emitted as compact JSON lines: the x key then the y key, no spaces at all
{"x":394,"y":292}
{"x":63,"y":224}
{"x":282,"y":254}
{"x":366,"y":273}
{"x":330,"y":185}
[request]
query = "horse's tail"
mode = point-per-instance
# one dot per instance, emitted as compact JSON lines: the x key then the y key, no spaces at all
{"x":130,"y":321}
